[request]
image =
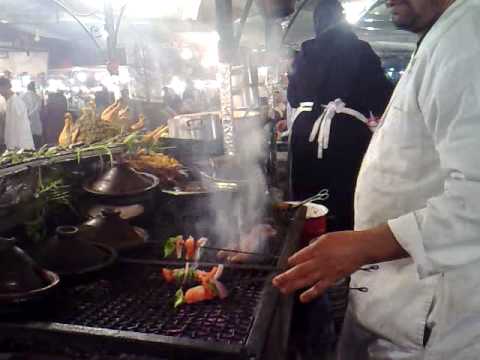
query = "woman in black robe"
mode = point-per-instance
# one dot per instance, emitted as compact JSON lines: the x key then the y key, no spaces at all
{"x":335,"y":64}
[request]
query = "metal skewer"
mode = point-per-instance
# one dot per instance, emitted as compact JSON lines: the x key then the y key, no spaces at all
{"x":240,"y":252}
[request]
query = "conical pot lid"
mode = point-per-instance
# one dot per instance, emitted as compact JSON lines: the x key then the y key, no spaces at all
{"x":121,"y":179}
{"x":110,"y":229}
{"x":18,"y":272}
{"x":66,"y":253}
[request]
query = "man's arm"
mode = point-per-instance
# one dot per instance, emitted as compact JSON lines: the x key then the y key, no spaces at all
{"x":334,"y":256}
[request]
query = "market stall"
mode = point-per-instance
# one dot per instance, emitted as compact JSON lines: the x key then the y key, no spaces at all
{"x":151,"y":220}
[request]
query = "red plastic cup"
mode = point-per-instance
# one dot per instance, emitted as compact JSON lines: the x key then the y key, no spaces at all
{"x":316,"y":222}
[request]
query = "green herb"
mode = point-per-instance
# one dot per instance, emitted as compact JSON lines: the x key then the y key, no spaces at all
{"x":169,"y":247}
{"x":50,"y":193}
{"x":179,"y":298}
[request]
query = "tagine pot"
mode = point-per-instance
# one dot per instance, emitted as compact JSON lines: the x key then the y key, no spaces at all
{"x":121,"y":180}
{"x":110,"y":229}
{"x":67,"y":254}
{"x":18,"y":272}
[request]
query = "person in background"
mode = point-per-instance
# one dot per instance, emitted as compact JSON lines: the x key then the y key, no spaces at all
{"x":18,"y":134}
{"x":33,"y":102}
{"x":172,"y":100}
{"x":417,"y":205}
{"x":333,"y":65}
{"x":103,"y":98}
{"x":56,"y":108}
{"x":3,"y":110}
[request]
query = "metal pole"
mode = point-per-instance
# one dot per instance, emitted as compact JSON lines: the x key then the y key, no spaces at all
{"x":109,"y":28}
{"x":243,"y":20}
{"x":80,"y":22}
{"x":224,"y":12}
{"x":292,"y":20}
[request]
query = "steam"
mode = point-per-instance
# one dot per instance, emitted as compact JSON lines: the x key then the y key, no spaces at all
{"x":237,"y":215}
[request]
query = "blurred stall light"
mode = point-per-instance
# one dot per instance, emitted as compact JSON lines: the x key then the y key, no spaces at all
{"x":263,"y":72}
{"x":354,"y":10}
{"x":124,"y":75}
{"x":96,"y":88}
{"x":26,"y":79}
{"x":81,"y":76}
{"x":209,"y":84}
{"x":178,"y":9}
{"x":4,"y":21}
{"x":99,"y":76}
{"x":177,"y":85}
{"x":190,"y":9}
{"x":205,"y":84}
{"x":37,"y":35}
{"x":17,"y":86}
{"x":199,"y":84}
{"x":55,"y":85}
{"x":201,"y":37}
{"x":186,"y":54}
{"x":210,"y":55}
{"x":75,"y":89}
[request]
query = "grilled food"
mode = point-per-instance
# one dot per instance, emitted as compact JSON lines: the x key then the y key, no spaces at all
{"x":65,"y":138}
{"x":166,"y":168}
{"x":88,"y":129}
{"x":189,"y":248}
{"x":210,"y":286}
{"x":139,"y":124}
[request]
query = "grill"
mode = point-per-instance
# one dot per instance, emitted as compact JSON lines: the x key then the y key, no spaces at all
{"x":129,"y":310}
{"x":135,"y":298}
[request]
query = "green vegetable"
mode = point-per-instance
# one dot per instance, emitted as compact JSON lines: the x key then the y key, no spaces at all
{"x":170,"y":246}
{"x":182,"y":277}
{"x":213,"y":288}
{"x":179,"y":298}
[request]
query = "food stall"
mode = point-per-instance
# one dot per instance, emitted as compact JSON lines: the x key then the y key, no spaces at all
{"x":97,"y":230}
{"x":138,"y":238}
{"x":98,"y":216}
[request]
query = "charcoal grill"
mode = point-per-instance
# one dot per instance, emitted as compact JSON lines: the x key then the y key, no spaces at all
{"x":129,"y":309}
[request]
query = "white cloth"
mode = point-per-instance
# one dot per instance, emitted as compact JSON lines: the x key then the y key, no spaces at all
{"x":17,"y":125}
{"x":322,"y":126}
{"x":34,"y":105}
{"x":421,"y":173}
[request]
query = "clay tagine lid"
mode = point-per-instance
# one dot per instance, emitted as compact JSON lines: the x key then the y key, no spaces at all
{"x":121,"y":179}
{"x":127,"y":212}
{"x":65,"y":253}
{"x":110,"y":229}
{"x":18,"y":272}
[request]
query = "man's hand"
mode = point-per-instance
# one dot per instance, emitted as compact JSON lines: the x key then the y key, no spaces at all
{"x":334,"y":256}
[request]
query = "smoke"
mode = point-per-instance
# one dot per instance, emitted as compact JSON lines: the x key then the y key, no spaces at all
{"x":236,"y":215}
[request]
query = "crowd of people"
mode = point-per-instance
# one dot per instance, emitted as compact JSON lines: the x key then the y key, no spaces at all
{"x":30,"y":120}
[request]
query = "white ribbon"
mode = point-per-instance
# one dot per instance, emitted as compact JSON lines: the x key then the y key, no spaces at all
{"x":323,"y":124}
{"x":304,"y":106}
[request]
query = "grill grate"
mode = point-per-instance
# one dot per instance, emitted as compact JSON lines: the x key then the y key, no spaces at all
{"x":134,"y":297}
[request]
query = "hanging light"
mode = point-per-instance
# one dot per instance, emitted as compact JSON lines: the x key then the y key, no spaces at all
{"x":37,"y":35}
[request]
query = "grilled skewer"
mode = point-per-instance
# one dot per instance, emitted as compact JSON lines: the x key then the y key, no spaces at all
{"x":240,"y":252}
